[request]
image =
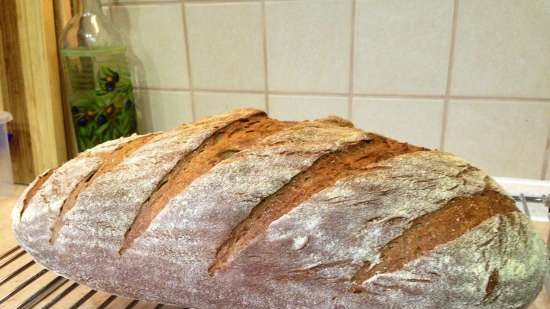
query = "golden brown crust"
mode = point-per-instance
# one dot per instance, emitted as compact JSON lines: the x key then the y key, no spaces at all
{"x":325,"y":172}
{"x":231,"y":139}
{"x":36,"y":186}
{"x":330,"y":204}
{"x":110,"y":161}
{"x":456,"y":218}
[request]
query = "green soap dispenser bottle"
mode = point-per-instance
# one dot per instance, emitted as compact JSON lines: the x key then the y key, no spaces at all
{"x":98,"y":84}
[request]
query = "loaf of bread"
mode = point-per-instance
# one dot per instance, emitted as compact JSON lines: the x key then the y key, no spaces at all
{"x":244,"y":211}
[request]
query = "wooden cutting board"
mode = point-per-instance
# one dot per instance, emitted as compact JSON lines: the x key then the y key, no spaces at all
{"x":7,"y":241}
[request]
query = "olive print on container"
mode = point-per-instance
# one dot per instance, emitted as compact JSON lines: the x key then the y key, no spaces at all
{"x":101,"y":98}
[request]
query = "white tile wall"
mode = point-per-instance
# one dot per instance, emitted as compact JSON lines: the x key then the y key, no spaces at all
{"x":402,"y":46}
{"x":225,"y":45}
{"x":162,"y":110}
{"x":287,"y":107}
{"x":417,"y":121}
{"x":503,"y":48}
{"x":308,"y":45}
{"x":471,"y":74}
{"x":212,"y":103}
{"x":154,"y":34}
{"x":505,"y":138}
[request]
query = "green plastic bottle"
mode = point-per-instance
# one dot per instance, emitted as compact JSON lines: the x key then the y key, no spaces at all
{"x":98,"y":84}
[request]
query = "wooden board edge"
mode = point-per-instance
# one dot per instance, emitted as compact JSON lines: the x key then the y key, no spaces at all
{"x":38,"y":49}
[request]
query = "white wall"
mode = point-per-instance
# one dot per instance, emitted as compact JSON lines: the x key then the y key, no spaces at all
{"x":467,"y":76}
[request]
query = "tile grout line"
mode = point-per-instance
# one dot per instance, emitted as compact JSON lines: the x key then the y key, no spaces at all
{"x":449,"y":76}
{"x":161,"y":2}
{"x":524,"y":99}
{"x":230,"y":91}
{"x":545,"y":167}
{"x":264,"y":47}
{"x":351,"y":59}
{"x":399,"y":96}
{"x":338,"y":94}
{"x":188,"y":59}
{"x":162,"y":89}
{"x":222,"y":1}
{"x":143,"y":2}
{"x":320,"y":94}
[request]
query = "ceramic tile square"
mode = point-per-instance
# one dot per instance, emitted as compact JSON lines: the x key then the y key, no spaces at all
{"x":286,"y":107}
{"x":308,"y":45}
{"x":226,"y":47}
{"x":503,"y":138}
{"x":211,"y":103}
{"x":416,"y":121}
{"x":162,"y":110}
{"x":402,"y":47}
{"x":154,"y":33}
{"x":502,"y":49}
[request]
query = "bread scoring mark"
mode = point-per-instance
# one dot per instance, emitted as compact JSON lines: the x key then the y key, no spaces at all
{"x":491,"y":287}
{"x":314,"y":271}
{"x":323,"y":173}
{"x":448,"y":223}
{"x":227,"y":141}
{"x":110,"y":161}
{"x":36,"y":187}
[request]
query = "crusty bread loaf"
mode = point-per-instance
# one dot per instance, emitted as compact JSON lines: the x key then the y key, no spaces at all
{"x":244,"y":211}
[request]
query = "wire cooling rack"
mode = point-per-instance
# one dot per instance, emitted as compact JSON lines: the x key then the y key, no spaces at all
{"x":523,"y":201}
{"x":24,"y":284}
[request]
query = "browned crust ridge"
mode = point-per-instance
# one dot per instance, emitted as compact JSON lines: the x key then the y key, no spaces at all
{"x":323,"y":173}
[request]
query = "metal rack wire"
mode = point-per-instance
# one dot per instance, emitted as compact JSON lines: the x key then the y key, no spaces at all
{"x":38,"y":296}
{"x":522,"y":200}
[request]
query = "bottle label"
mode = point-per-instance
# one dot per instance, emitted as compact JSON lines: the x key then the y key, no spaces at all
{"x":100,"y":94}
